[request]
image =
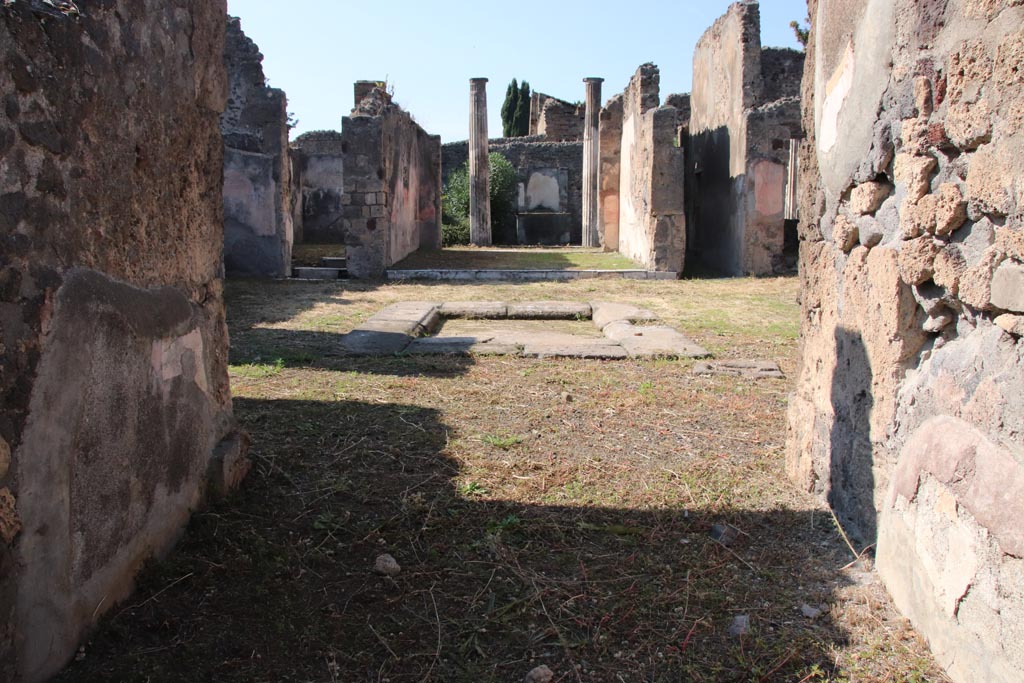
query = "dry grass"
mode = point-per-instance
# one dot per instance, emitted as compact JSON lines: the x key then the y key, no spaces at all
{"x":556,"y":512}
{"x":310,"y":254}
{"x":519,"y":258}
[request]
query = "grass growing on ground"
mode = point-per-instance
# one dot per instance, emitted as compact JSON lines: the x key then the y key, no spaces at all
{"x":310,"y":254}
{"x":587,"y":544}
{"x":523,"y":258}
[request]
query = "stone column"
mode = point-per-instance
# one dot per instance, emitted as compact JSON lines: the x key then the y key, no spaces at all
{"x":479,"y":165}
{"x":591,"y":162}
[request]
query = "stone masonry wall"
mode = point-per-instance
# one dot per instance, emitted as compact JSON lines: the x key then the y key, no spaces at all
{"x":907,"y":416}
{"x":392,"y":174}
{"x":116,"y":410}
{"x":321,"y":186}
{"x":258,"y":228}
{"x":652,"y":225}
{"x":561,"y":121}
{"x":744,"y":112}
{"x":532,"y":155}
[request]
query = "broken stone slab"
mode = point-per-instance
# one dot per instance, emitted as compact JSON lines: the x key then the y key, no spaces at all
{"x":596,"y":351}
{"x":549,"y":310}
{"x":461,"y":346}
{"x":604,"y":312}
{"x":653,"y":341}
{"x":333,"y":262}
{"x":752,"y":369}
{"x":418,"y":317}
{"x":474,"y":310}
{"x":375,"y":343}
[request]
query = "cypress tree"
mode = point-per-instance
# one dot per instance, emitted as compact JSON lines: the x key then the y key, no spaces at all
{"x":521,"y":118}
{"x":508,"y":108}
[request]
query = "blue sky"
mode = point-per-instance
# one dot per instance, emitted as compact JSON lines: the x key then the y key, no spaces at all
{"x":429,"y":49}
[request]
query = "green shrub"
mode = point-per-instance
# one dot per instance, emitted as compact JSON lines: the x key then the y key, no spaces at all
{"x":455,"y":200}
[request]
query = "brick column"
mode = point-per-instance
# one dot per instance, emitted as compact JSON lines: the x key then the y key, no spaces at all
{"x":591,"y":162}
{"x":479,"y":165}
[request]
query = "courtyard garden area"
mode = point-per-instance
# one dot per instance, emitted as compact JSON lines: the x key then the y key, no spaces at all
{"x":615,"y":521}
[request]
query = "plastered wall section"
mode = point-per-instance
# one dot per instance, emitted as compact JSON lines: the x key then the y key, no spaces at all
{"x":258,"y":222}
{"x":392,"y":198}
{"x":652,"y":223}
{"x":116,"y":412}
{"x":319,"y":156}
{"x":744,"y":112}
{"x":906,"y":416}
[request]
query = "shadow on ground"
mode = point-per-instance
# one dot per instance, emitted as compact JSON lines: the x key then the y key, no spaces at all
{"x":277,"y":583}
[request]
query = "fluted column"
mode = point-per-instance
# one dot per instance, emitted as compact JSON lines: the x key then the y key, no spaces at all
{"x":591,"y":162}
{"x":479,"y":165}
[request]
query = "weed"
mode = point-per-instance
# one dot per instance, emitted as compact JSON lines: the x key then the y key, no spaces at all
{"x":472,"y":488}
{"x":502,"y":442}
{"x":506,"y":524}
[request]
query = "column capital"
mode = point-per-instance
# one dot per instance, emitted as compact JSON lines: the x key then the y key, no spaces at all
{"x":475,"y":81}
{"x":593,"y":79}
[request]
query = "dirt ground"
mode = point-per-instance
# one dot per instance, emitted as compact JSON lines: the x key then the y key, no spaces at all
{"x":613,"y":520}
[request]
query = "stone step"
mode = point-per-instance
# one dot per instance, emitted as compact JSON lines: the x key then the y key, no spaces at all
{"x":333,"y":262}
{"x":312,"y":273}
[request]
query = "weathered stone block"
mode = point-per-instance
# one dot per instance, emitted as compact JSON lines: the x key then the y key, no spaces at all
{"x":605,"y":312}
{"x":1008,"y":287}
{"x":561,"y":310}
{"x":950,"y":209}
{"x":868,"y":197}
{"x":845,"y":233}
{"x":914,"y":172}
{"x":918,"y":217}
{"x":474,"y":309}
{"x":917,"y":259}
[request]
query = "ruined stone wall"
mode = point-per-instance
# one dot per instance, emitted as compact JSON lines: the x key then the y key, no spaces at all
{"x":907,"y":416}
{"x":392,"y":175}
{"x":115,"y":400}
{"x":533,"y":156}
{"x":609,"y":145}
{"x":652,"y":225}
{"x":322,"y":186}
{"x":561,"y":121}
{"x":782,"y":70}
{"x":743,"y":116}
{"x":258,"y":226}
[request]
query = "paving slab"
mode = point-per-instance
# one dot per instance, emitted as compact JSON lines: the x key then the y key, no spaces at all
{"x":752,"y":369}
{"x":653,"y":341}
{"x":600,"y":351}
{"x":375,"y":343}
{"x":461,"y":346}
{"x":311,"y":273}
{"x":549,"y":310}
{"x":421,"y":317}
{"x":605,"y":312}
{"x":474,"y":309}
